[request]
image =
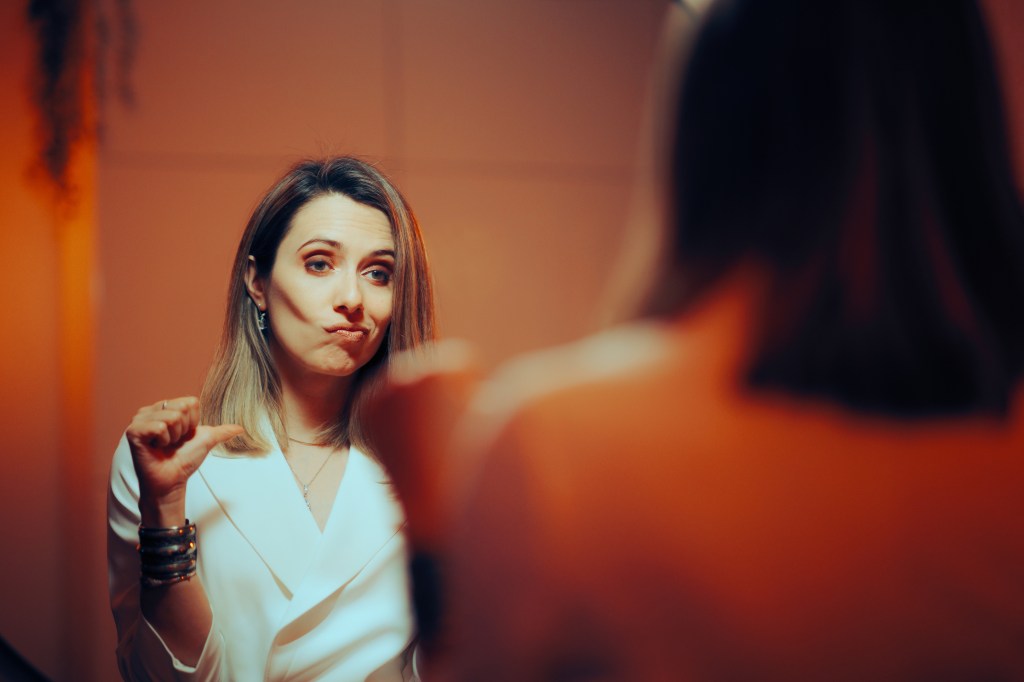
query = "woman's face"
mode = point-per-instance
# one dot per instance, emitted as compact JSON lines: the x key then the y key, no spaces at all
{"x":329,"y":295}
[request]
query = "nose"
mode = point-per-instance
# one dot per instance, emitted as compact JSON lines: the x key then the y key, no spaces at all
{"x":348,"y":297}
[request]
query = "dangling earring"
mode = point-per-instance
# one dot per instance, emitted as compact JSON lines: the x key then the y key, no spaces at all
{"x":261,"y":321}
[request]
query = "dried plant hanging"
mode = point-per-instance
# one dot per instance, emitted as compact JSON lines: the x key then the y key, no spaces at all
{"x":76,"y":40}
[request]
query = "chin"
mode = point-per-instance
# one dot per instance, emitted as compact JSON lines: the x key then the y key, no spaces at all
{"x":341,"y":364}
{"x":343,"y":368}
{"x":340,"y":371}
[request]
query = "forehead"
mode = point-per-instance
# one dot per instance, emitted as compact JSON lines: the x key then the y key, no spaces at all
{"x":338,"y":218}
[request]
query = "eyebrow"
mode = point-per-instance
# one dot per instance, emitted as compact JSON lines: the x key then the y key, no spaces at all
{"x":337,"y":245}
{"x":315,"y":240}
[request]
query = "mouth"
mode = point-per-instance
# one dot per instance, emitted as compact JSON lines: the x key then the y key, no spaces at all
{"x":348,"y":332}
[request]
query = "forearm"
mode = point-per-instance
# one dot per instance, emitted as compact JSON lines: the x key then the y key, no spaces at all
{"x":179,"y":612}
{"x":181,"y":615}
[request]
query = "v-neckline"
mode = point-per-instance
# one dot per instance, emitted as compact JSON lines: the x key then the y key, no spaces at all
{"x":364,"y":516}
{"x":300,"y":500}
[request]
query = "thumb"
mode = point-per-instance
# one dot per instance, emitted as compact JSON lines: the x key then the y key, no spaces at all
{"x":207,"y":438}
{"x":212,"y":436}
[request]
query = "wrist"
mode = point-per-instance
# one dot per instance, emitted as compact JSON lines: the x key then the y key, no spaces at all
{"x":163,"y":512}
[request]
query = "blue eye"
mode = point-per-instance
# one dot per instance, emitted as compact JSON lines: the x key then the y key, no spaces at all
{"x":318,"y":265}
{"x":379,"y":275}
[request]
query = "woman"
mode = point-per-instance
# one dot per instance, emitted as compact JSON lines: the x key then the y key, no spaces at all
{"x":806,"y":462}
{"x":295,"y":566}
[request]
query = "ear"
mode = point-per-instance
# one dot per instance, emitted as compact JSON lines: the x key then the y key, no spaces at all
{"x":254,"y":284}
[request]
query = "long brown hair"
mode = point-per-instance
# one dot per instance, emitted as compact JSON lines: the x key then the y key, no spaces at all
{"x":243,"y":386}
{"x":856,"y":150}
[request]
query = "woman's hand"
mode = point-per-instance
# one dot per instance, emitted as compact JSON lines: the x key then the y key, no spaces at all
{"x":168,"y":444}
{"x":411,"y":422}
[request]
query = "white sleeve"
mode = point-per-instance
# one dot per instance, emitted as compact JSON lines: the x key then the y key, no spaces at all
{"x":411,"y":671}
{"x":141,"y":653}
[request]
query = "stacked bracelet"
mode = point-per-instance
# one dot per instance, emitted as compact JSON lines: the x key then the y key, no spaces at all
{"x":167,"y":555}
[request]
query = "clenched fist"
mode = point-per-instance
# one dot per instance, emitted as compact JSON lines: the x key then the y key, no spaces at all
{"x":168,"y":444}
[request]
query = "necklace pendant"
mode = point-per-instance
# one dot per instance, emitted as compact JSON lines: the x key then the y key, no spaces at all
{"x":305,"y":486}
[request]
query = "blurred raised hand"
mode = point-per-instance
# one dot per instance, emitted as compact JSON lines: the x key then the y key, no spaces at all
{"x":412,"y":423}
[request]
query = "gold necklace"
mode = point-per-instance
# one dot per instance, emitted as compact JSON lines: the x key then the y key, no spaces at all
{"x":305,"y":485}
{"x":315,"y":445}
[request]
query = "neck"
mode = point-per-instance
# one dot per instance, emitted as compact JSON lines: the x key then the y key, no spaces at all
{"x":310,"y":400}
{"x":720,"y":326}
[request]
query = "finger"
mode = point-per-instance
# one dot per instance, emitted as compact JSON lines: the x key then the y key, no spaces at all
{"x":147,"y":411}
{"x":178,"y":423}
{"x":177,"y":403}
{"x":225,"y":432}
{"x":161,"y":429}
{"x":193,"y":411}
{"x":187,"y":404}
{"x":161,"y":405}
{"x":151,"y":433}
{"x":180,"y":415}
{"x":157,"y":410}
{"x":450,"y":356}
{"x":207,"y":438}
{"x":175,"y":424}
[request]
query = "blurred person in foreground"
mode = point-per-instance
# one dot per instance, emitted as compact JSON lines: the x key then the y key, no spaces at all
{"x":805,"y":461}
{"x":280,"y":554}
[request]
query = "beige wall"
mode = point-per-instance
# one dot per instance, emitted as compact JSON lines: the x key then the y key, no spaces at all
{"x":511,"y":125}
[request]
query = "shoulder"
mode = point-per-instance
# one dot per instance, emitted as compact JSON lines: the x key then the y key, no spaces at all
{"x":616,"y":355}
{"x":541,"y":410}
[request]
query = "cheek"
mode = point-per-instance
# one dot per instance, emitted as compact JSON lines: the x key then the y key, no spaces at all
{"x":382,"y":308}
{"x":302,"y":300}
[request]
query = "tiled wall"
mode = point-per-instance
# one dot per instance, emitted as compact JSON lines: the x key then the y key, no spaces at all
{"x":511,"y":126}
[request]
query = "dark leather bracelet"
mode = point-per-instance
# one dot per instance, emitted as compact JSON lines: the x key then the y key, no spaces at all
{"x":146,"y":581}
{"x":171,"y":535}
{"x":167,"y":555}
{"x":162,"y":551}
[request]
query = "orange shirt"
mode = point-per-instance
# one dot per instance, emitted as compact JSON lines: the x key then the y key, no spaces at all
{"x":639,"y":515}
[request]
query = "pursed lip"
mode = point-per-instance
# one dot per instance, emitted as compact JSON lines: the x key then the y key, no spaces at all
{"x":346,"y":329}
